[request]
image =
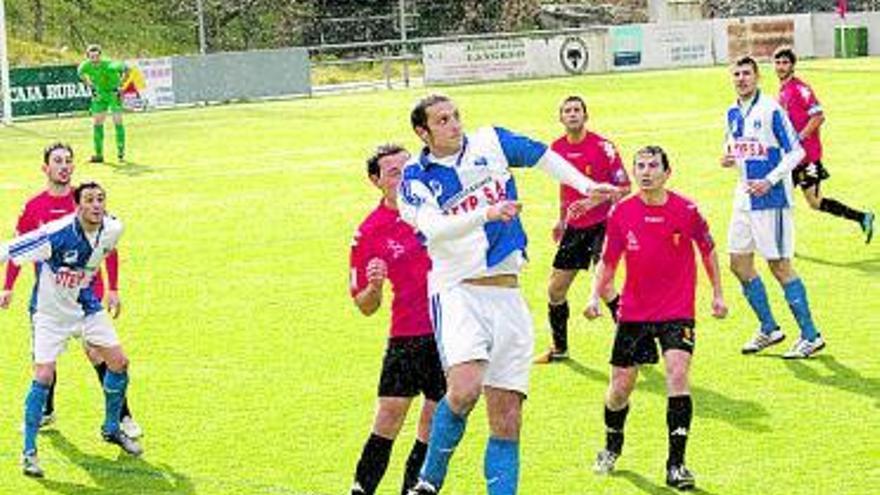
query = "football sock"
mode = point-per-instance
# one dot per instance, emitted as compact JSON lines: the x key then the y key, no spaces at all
{"x":558,"y":315}
{"x":33,"y":413}
{"x":756,"y":295}
{"x":98,"y":135}
{"x":501,"y":466}
{"x":447,"y":428}
{"x":114,"y":394}
{"x":373,"y":462}
{"x":613,"y":306}
{"x":413,"y":464}
{"x":101,"y":370}
{"x":614,"y":422}
{"x":796,"y":295}
{"x":679,"y":412}
{"x":120,"y":139}
{"x":839,"y":209}
{"x":49,"y":408}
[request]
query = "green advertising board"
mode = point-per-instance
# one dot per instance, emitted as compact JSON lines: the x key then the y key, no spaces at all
{"x":47,"y":90}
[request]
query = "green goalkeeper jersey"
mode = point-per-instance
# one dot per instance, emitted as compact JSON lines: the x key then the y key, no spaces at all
{"x":106,"y":76}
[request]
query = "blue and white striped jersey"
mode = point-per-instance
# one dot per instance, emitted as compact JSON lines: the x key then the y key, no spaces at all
{"x":765,"y":146}
{"x":66,"y":258}
{"x":446,"y":201}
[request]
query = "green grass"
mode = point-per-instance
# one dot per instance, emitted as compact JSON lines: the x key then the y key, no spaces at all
{"x":252,"y":371}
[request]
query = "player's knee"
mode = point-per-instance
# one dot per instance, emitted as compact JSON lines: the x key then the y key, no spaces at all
{"x":557,"y":291}
{"x":462,"y":397}
{"x":389,"y":421}
{"x":117,"y":362}
{"x":44,"y":374}
{"x":782,"y":270}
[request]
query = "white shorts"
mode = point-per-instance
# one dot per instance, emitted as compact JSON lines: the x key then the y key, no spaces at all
{"x":769,"y":232}
{"x":50,"y":335}
{"x":493,"y":324}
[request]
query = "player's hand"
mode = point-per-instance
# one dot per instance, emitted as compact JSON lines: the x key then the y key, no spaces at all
{"x":5,"y":299}
{"x":377,"y":272}
{"x":758,"y":187}
{"x":504,"y":211}
{"x":114,"y":304}
{"x":579,"y":208}
{"x":558,"y":230}
{"x":719,"y":309}
{"x":728,"y":160}
{"x":593,"y":310}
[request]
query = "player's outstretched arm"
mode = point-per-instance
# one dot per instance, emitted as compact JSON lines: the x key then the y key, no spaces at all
{"x":33,"y":246}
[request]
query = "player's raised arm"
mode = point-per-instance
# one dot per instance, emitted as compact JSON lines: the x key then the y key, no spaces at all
{"x":33,"y":246}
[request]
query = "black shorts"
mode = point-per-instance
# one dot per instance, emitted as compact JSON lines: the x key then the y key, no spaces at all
{"x":412,"y":366}
{"x":580,"y":246}
{"x":807,"y":175}
{"x":634,"y":342}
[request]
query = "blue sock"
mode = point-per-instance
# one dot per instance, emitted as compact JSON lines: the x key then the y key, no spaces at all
{"x":447,"y":428}
{"x":756,"y":295}
{"x":796,"y":295}
{"x":33,"y":413}
{"x":501,"y":466}
{"x":114,"y":393}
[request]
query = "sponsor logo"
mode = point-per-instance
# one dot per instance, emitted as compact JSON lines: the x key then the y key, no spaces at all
{"x":632,"y":242}
{"x":650,"y":219}
{"x":69,"y":279}
{"x":396,"y":248}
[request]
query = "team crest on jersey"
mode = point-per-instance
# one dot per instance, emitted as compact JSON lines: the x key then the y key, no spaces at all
{"x":757,"y":125}
{"x":436,"y":187}
{"x":481,"y":161}
{"x":70,"y":257}
{"x":676,"y":238}
{"x":408,"y":196}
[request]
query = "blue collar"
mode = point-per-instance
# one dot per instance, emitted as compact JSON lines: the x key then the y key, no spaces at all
{"x":425,"y":161}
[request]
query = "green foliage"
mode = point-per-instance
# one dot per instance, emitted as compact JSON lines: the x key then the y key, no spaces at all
{"x":253,"y":372}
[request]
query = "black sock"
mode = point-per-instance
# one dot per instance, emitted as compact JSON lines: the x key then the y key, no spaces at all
{"x":559,"y":323}
{"x":373,"y":462}
{"x":49,"y":408}
{"x":613,"y":305}
{"x":413,"y":465}
{"x":101,"y":370}
{"x":679,"y":411}
{"x":614,"y":421}
{"x":839,"y":209}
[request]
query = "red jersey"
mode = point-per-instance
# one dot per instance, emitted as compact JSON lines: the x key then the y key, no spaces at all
{"x":799,"y":101}
{"x":384,"y":235}
{"x":597,"y":158}
{"x":656,"y":242}
{"x":44,"y":208}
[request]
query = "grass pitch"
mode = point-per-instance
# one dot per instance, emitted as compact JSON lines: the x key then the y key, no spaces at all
{"x":252,"y":371}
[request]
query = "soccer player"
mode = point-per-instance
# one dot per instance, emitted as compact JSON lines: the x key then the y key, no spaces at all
{"x":70,"y":250}
{"x":655,"y":231}
{"x":104,"y":77}
{"x":53,"y":203}
{"x":580,"y":231}
{"x":805,"y":112}
{"x":384,"y":247}
{"x":764,"y":147}
{"x":461,"y":197}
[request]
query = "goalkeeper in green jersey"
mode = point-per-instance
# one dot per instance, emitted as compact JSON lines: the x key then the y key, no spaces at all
{"x":104,"y":77}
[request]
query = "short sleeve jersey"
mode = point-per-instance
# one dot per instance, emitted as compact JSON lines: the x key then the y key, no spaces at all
{"x":385,"y":236}
{"x":657,"y":245}
{"x":597,"y":158}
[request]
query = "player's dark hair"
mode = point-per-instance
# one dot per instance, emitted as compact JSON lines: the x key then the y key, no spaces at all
{"x":57,"y":145}
{"x":381,"y":152}
{"x":93,"y":48}
{"x":654,"y":150}
{"x":77,"y":192}
{"x":419,"y":115}
{"x":573,"y":98}
{"x":747,"y":60}
{"x":785,"y":52}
